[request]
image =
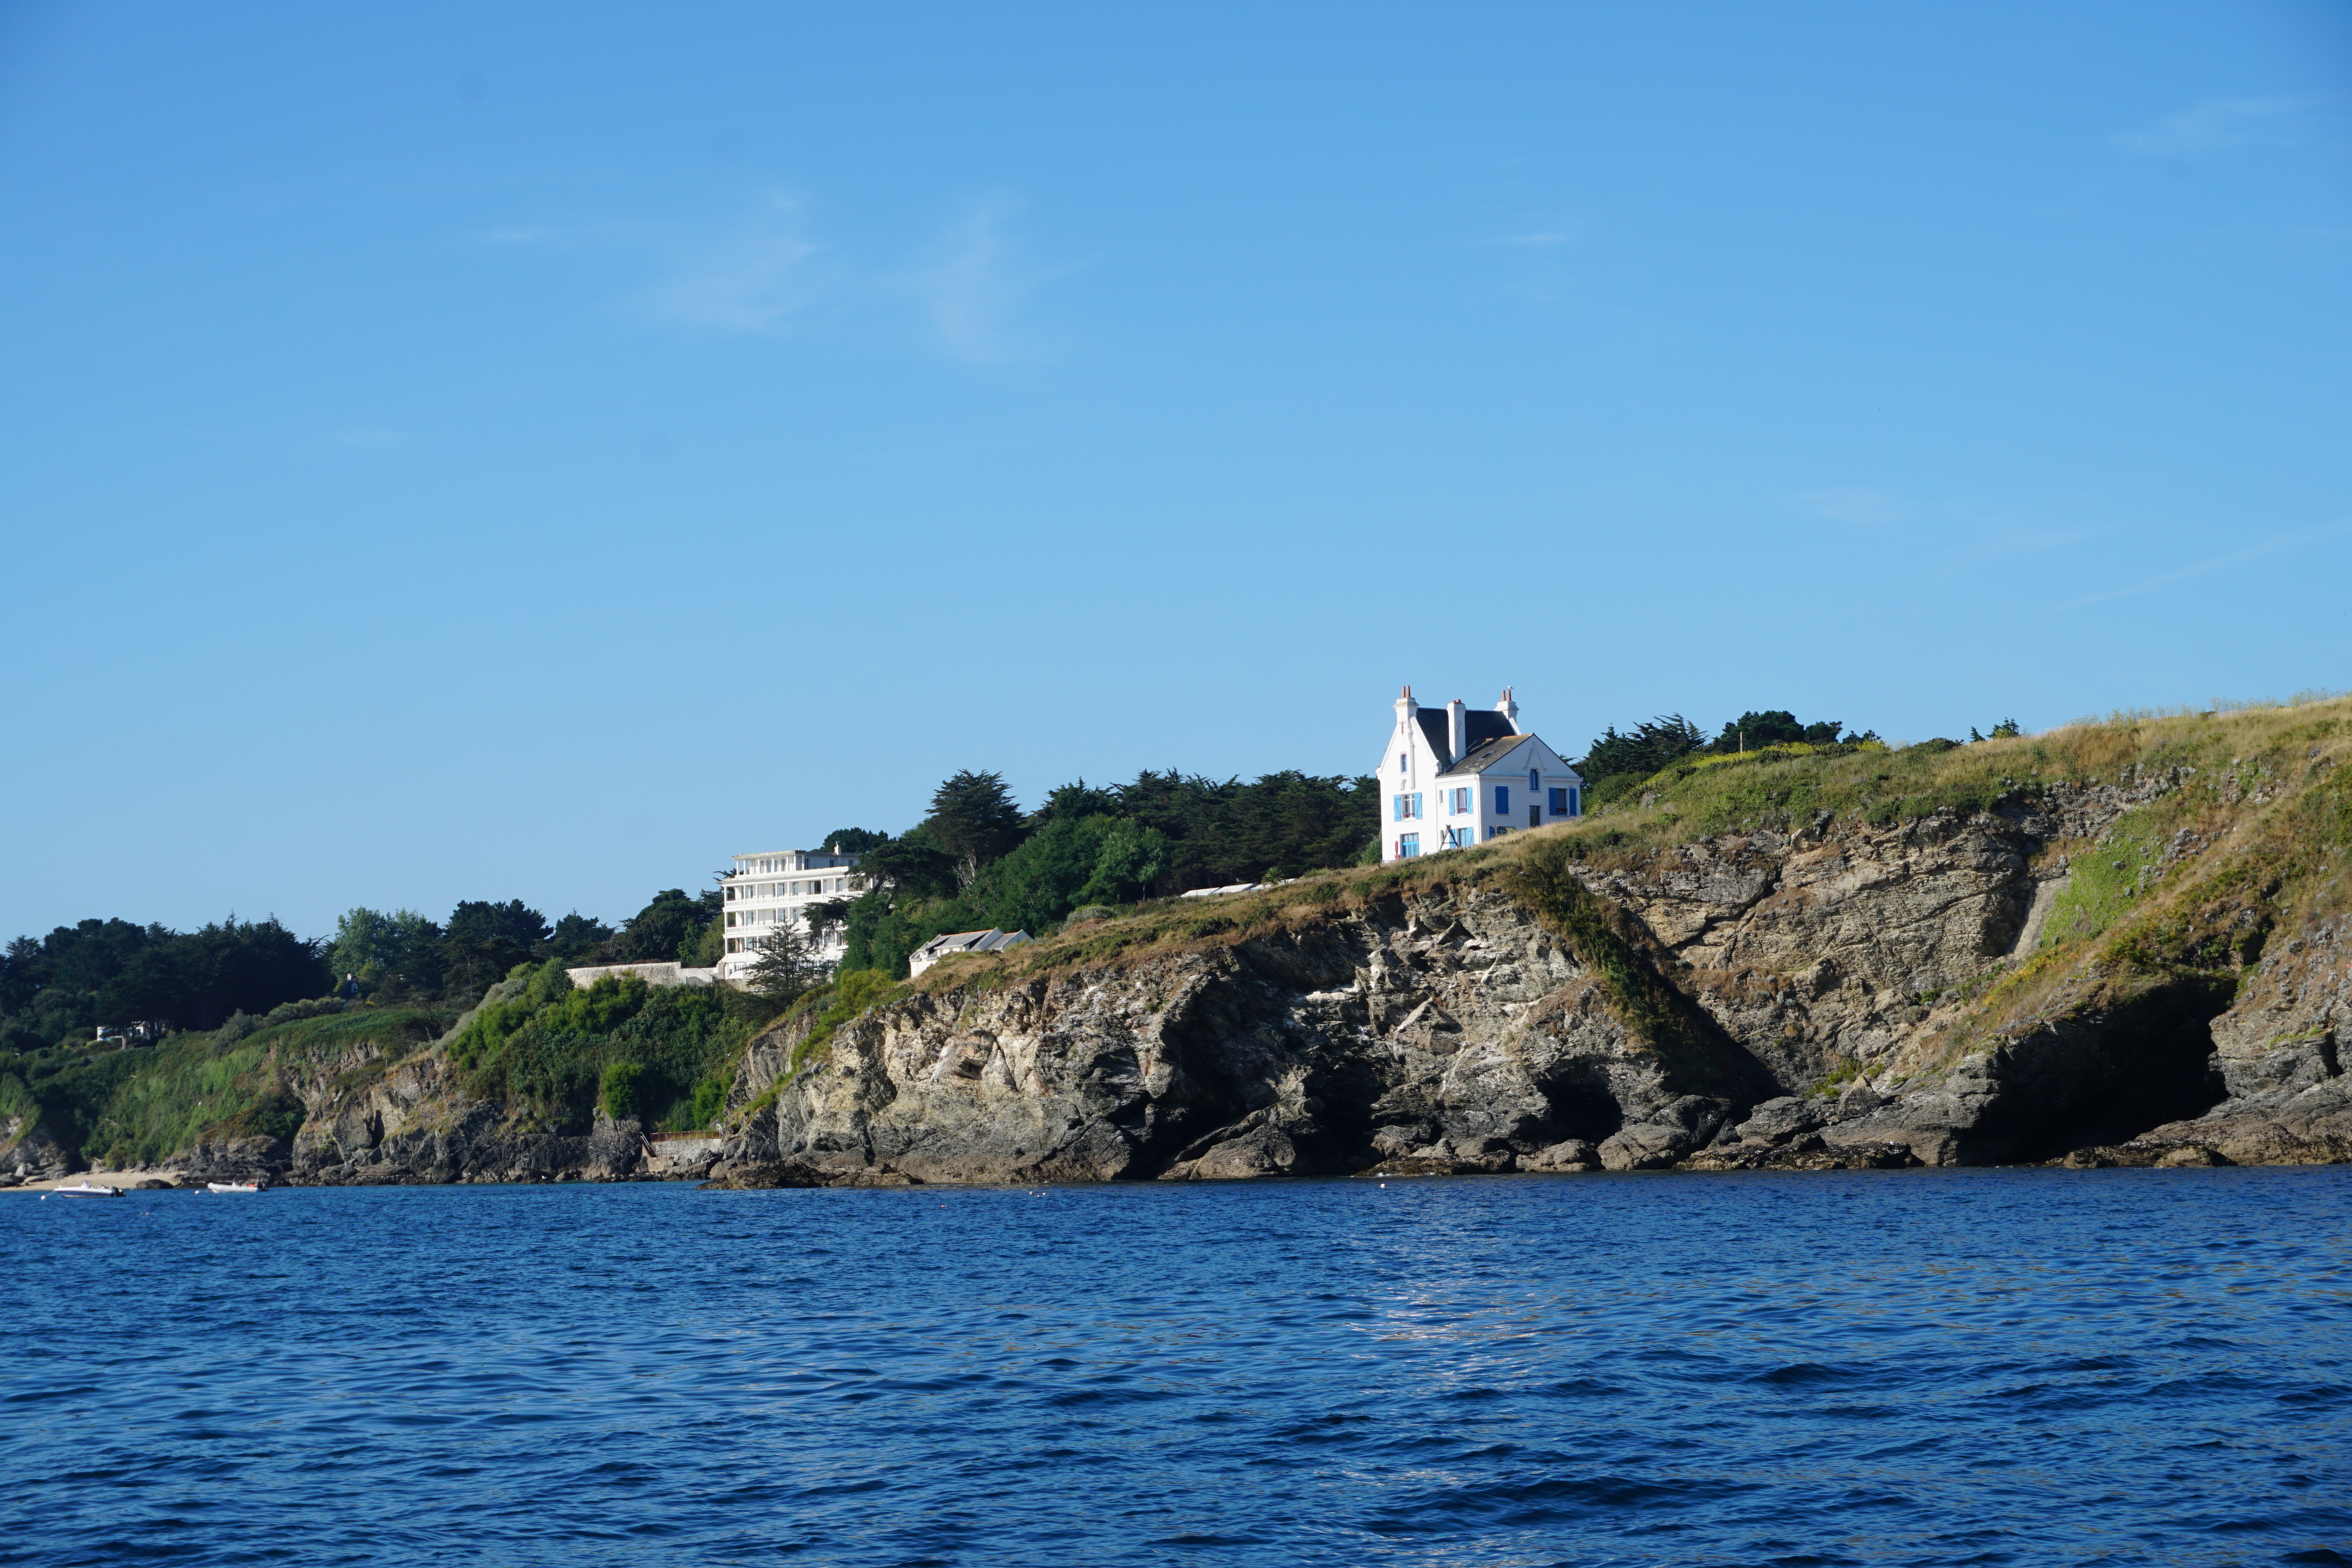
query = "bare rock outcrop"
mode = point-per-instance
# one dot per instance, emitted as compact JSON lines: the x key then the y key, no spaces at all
{"x":1456,"y":1025}
{"x":1864,"y":990}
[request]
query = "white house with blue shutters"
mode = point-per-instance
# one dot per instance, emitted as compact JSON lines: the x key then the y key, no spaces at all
{"x":1454,"y":777}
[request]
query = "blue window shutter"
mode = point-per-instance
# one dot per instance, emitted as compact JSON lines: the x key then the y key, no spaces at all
{"x":1501,"y":798}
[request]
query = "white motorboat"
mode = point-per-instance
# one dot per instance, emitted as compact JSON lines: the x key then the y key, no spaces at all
{"x":87,"y":1189}
{"x":233,"y":1187}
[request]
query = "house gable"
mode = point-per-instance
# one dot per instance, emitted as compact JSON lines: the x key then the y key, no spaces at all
{"x":1500,"y":780}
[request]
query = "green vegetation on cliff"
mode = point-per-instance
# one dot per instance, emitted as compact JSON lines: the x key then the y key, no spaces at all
{"x":665,"y":1053}
{"x":978,"y":861}
{"x":545,"y":1050}
{"x":2222,"y":828}
{"x":142,"y":1105}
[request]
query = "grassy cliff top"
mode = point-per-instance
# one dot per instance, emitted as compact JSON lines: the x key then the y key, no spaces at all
{"x":2239,"y":762}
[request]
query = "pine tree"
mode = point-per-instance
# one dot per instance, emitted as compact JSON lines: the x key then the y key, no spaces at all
{"x":785,"y":968}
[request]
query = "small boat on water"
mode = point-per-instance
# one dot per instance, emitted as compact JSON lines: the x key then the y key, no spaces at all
{"x":233,"y":1187}
{"x":86,"y":1189}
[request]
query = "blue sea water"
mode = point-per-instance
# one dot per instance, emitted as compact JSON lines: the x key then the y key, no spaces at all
{"x":2022,"y":1367}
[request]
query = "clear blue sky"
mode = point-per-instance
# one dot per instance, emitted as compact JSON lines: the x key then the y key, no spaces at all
{"x":510,"y":451}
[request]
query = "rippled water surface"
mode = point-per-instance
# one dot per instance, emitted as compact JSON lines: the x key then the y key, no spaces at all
{"x":1985,"y":1366}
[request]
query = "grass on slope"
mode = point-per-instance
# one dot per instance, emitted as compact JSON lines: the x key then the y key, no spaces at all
{"x":142,"y":1105}
{"x":2261,"y":796}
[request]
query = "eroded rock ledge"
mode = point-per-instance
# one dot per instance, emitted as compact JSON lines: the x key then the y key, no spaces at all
{"x":1448,"y":1027}
{"x":1826,"y":993}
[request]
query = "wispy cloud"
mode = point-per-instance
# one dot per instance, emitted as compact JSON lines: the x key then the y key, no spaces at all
{"x":2274,"y":545}
{"x":974,"y":285}
{"x":1853,"y":504}
{"x":765,"y":273}
{"x":754,"y":277}
{"x":1959,"y":535}
{"x":2216,"y":125}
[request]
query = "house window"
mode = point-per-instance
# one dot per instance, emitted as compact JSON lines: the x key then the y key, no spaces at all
{"x":1400,"y":761}
{"x":1534,"y":783}
{"x":1559,"y":802}
{"x":1501,"y":799}
{"x":1457,"y":801}
{"x":1408,"y":845}
{"x":734,"y":943}
{"x":1496,"y":833}
{"x":731,"y":917}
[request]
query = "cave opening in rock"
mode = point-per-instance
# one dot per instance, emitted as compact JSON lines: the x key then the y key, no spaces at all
{"x":1581,"y":1112}
{"x":2159,"y":1050}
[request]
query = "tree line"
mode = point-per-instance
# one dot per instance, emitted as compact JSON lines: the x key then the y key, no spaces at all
{"x":1615,"y":763}
{"x":60,"y":986}
{"x":977,"y":859}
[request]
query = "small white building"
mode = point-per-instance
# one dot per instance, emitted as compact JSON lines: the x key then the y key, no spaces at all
{"x":939,"y":947}
{"x":1454,"y":777}
{"x":775,"y":888}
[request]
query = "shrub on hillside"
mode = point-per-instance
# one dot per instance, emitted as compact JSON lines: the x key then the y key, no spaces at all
{"x":619,"y":1089}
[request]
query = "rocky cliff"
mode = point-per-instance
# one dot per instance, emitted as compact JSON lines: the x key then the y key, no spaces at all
{"x":2117,"y":945}
{"x":2121,"y":944}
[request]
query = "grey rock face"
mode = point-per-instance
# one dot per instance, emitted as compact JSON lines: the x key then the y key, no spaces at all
{"x":1450,"y":1030}
{"x":2283,"y":1033}
{"x":1776,"y":1121}
{"x":415,"y":1126}
{"x":29,"y":1151}
{"x":1674,"y":1131}
{"x":1572,"y":1155}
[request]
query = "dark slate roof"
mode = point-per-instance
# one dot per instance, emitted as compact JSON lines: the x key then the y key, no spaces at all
{"x":1479,"y":726}
{"x":1482,"y":757}
{"x":1432,"y":729}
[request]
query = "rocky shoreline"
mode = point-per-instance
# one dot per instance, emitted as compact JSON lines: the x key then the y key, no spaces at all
{"x":1822,"y":975}
{"x":1827,"y":993}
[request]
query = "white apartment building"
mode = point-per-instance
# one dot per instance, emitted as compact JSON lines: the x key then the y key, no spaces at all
{"x":1454,"y":777}
{"x":775,"y":888}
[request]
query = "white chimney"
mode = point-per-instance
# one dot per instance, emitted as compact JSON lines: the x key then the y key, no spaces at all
{"x":1509,"y":709}
{"x":1406,"y":708}
{"x":1457,"y":730}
